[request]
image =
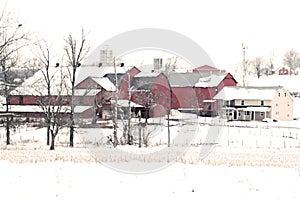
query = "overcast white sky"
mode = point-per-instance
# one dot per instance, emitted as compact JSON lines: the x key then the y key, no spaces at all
{"x":220,"y":27}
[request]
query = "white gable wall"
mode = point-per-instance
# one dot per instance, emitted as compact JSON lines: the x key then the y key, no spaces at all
{"x":282,"y":106}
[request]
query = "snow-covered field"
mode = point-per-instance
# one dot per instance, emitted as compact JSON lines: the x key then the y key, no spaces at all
{"x":210,"y":159}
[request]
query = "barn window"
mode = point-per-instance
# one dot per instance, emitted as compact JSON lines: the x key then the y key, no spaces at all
{"x":21,"y":102}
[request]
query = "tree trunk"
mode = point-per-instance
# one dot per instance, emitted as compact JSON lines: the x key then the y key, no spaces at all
{"x":52,"y":141}
{"x":7,"y":131}
{"x":48,"y":133}
{"x":72,"y":134}
{"x":140,"y":132}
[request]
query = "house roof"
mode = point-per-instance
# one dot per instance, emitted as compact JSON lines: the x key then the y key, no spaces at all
{"x":247,"y":93}
{"x":201,"y":79}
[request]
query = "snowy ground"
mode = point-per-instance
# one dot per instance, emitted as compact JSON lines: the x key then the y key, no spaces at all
{"x":210,"y":159}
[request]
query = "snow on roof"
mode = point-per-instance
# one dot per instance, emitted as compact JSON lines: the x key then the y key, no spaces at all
{"x":124,"y":103}
{"x":86,"y":92}
{"x":290,"y":82}
{"x":81,"y":109}
{"x":36,"y":84}
{"x":32,"y":108}
{"x":257,"y":108}
{"x":250,"y":93}
{"x":211,"y":81}
{"x":147,"y":74}
{"x":105,"y":83}
{"x":94,"y":71}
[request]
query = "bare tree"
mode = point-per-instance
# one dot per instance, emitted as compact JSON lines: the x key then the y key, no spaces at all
{"x":292,"y":60}
{"x":257,"y":64}
{"x":12,"y":40}
{"x":76,"y":52}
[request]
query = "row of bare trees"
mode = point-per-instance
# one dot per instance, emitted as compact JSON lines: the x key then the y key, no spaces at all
{"x":259,"y":66}
{"x":14,"y":40}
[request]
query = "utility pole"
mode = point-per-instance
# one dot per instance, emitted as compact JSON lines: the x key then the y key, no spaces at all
{"x":129,"y":138}
{"x":244,"y":64}
{"x":115,"y":115}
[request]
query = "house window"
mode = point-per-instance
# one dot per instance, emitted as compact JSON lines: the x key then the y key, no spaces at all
{"x":227,"y":103}
{"x":247,"y":112}
{"x":277,"y":113}
{"x":261,"y":103}
{"x":285,"y":94}
{"x":288,"y":103}
{"x":262,"y":114}
{"x":242,"y":102}
{"x":279,"y":94}
{"x":239,"y":113}
{"x":276,"y":104}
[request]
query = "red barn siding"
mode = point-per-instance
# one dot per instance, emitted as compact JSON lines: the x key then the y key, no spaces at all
{"x":123,"y":88}
{"x":157,"y":99}
{"x":184,"y":97}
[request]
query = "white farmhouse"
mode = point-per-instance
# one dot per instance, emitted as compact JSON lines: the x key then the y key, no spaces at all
{"x":255,"y":103}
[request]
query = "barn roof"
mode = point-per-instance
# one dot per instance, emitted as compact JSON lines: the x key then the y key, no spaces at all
{"x":203,"y":79}
{"x":86,"y":92}
{"x":112,"y":78}
{"x":95,"y":71}
{"x":207,"y":68}
{"x":33,"y":109}
{"x":60,"y":78}
{"x":144,"y":80}
{"x":105,"y":83}
{"x":36,"y":84}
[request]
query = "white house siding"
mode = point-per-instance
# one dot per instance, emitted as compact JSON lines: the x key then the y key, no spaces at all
{"x":282,"y":106}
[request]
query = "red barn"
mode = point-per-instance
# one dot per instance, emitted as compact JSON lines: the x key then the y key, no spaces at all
{"x":95,"y":92}
{"x":153,"y":92}
{"x":195,"y":91}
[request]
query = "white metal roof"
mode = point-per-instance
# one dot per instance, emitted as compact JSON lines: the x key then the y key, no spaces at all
{"x":247,"y":93}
